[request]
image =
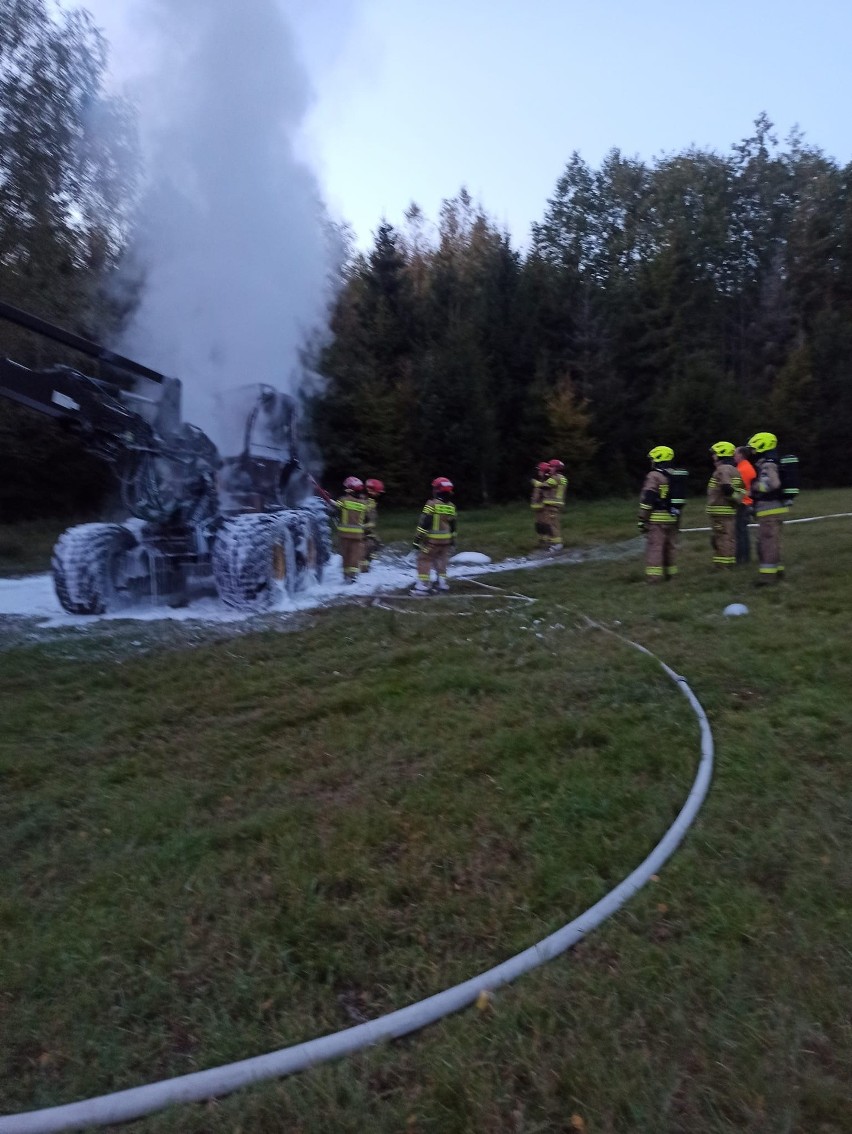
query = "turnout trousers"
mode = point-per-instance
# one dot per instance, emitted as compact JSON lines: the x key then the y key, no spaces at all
{"x":769,"y":547}
{"x":551,"y":518}
{"x":722,"y":539}
{"x":660,"y":551}
{"x":352,"y":550}
{"x":433,"y":557}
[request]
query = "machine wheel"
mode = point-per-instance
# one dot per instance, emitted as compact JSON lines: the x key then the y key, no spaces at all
{"x":322,"y":530}
{"x":311,"y":544}
{"x":254,"y":561}
{"x":320,"y":536}
{"x":90,"y":568}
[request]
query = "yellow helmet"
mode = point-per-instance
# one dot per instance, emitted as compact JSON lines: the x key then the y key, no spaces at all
{"x":660,"y":454}
{"x":723,"y":449}
{"x":763,"y":442}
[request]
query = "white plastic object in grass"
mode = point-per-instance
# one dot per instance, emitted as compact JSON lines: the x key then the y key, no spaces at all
{"x":735,"y":609}
{"x":471,"y":558}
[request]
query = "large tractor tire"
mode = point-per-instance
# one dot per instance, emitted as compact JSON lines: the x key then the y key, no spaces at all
{"x":254,"y":561}
{"x":321,"y":531}
{"x":312,"y":542}
{"x":90,"y":568}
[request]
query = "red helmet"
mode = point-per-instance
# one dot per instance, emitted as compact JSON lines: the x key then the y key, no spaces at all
{"x":353,"y":484}
{"x":556,"y":466}
{"x":374,"y":485}
{"x":543,"y":467}
{"x":441,"y":484}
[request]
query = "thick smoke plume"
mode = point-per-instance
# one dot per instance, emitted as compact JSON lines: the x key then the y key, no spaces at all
{"x":232,"y":239}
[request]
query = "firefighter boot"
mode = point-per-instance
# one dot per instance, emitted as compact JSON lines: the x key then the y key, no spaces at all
{"x":420,"y":589}
{"x":443,"y":585}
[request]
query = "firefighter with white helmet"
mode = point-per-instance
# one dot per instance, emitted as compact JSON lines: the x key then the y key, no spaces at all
{"x":659,"y":515}
{"x":435,"y":538}
{"x":725,"y":490}
{"x":351,"y":512}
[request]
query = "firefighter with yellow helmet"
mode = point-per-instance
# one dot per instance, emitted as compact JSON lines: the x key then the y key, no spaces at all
{"x":725,"y":490}
{"x":659,"y":515}
{"x":770,"y":507}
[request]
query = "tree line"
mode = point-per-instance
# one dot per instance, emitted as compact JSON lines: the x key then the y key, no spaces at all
{"x":691,"y":298}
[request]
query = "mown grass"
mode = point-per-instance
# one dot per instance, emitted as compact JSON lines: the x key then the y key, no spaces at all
{"x":210,"y":853}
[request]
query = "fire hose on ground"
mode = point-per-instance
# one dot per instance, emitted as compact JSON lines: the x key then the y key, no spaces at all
{"x":199,"y":1086}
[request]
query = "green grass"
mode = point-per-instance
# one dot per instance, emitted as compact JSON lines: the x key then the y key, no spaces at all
{"x":211,"y":852}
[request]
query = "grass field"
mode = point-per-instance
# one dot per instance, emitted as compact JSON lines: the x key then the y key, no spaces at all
{"x":221,"y":844}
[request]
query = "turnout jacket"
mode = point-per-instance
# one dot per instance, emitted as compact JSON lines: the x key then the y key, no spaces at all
{"x":371,"y":516}
{"x":553,"y":491}
{"x":437,"y":523}
{"x":766,"y":489}
{"x":536,"y":495}
{"x":725,"y":489}
{"x":654,"y":503}
{"x":351,"y":516}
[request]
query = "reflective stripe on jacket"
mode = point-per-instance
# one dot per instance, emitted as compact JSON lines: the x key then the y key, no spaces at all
{"x":654,"y":506}
{"x":766,"y":489}
{"x":350,"y":521}
{"x":553,"y":491}
{"x":535,"y":498}
{"x":371,"y":515}
{"x":725,"y":489}
{"x":437,"y":521}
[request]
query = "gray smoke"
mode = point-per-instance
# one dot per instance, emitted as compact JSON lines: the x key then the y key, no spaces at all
{"x":232,"y":238}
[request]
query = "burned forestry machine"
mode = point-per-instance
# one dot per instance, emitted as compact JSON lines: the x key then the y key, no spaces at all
{"x":249,"y":526}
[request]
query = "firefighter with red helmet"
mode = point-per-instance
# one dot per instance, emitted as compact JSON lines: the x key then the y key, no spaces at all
{"x":373,"y":489}
{"x":351,"y":513}
{"x":436,"y":536}
{"x":552,"y":505}
{"x":542,"y":473}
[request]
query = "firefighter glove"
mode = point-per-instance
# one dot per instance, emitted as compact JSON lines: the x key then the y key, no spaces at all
{"x":642,"y":526}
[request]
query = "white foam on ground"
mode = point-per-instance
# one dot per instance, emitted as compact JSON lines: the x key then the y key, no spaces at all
{"x":33,"y":596}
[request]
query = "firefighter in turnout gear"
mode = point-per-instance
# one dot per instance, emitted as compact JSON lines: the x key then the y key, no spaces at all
{"x":542,"y":473}
{"x":552,"y":504}
{"x":351,"y":512}
{"x":770,"y":507}
{"x":659,"y":517}
{"x":436,"y":536}
{"x":372,"y":491}
{"x":725,"y":490}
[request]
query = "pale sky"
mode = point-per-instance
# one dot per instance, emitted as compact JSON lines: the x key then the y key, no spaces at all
{"x":414,"y":98}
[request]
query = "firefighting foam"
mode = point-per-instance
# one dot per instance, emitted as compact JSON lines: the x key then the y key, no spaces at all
{"x":34,"y":596}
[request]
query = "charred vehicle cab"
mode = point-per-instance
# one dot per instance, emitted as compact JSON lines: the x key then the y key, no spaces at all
{"x":248,"y":525}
